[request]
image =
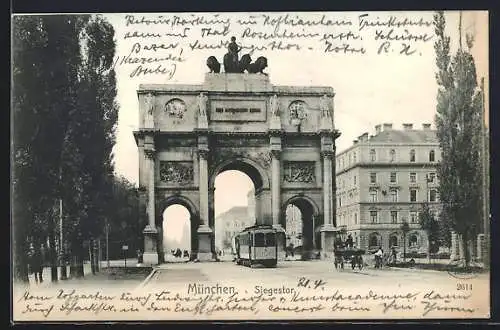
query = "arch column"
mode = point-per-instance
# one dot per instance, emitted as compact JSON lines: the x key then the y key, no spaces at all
{"x":327,"y":229}
{"x":150,"y":255}
{"x":204,"y":232}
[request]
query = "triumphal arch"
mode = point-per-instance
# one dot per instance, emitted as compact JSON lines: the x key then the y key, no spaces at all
{"x":282,"y":137}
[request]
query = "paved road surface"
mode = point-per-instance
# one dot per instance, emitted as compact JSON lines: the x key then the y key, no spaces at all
{"x":288,"y":272}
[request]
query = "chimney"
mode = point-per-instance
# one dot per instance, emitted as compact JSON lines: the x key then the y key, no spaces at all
{"x":407,"y":127}
{"x":426,"y":127}
{"x":377,"y":129}
{"x":387,"y":127}
{"x":363,"y":137}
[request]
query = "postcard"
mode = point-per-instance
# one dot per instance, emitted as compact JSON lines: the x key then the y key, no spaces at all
{"x":250,"y":166}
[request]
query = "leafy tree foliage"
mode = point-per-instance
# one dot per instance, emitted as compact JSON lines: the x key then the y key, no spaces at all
{"x":458,"y":122}
{"x":64,"y":118}
{"x":430,"y":224}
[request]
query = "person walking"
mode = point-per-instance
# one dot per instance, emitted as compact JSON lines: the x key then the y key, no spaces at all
{"x":36,"y":264}
{"x":378,"y":258}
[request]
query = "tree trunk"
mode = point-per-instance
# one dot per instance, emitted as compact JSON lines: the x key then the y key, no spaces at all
{"x":52,"y":256}
{"x":404,"y":248}
{"x":91,"y":258}
{"x":465,"y":243}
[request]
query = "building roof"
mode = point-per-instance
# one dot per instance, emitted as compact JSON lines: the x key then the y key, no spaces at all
{"x":241,"y":211}
{"x":405,"y":136}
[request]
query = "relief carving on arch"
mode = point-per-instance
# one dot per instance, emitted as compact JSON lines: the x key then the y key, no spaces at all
{"x":177,"y":172}
{"x":299,"y":171}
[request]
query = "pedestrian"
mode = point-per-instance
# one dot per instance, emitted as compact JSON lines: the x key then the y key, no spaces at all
{"x":394,"y":254}
{"x":139,"y":256}
{"x":349,"y":242}
{"x":36,"y":264}
{"x":378,"y":257}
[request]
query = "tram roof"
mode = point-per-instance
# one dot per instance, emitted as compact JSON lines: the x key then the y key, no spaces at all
{"x":259,"y":227}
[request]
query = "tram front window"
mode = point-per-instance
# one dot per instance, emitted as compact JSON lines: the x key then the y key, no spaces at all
{"x":259,"y":240}
{"x":270,"y":239}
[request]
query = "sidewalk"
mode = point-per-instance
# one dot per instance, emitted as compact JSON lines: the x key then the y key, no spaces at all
{"x":89,"y":278}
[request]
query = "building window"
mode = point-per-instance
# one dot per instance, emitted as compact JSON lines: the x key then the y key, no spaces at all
{"x":373,"y":196}
{"x":340,"y":201}
{"x":373,"y":241}
{"x":392,"y":155}
{"x":394,"y":195}
{"x":413,"y":177}
{"x":413,"y":241}
{"x":413,"y":195}
{"x":393,"y":241}
{"x":373,"y":155}
{"x":394,"y":216}
{"x":413,"y":217}
{"x":432,"y":156}
{"x":354,"y":179}
{"x":432,"y":195}
{"x":393,"y":177}
{"x":373,"y":177}
{"x":354,"y":157}
{"x":373,"y":216}
{"x":431,"y":177}
{"x":355,"y":218}
{"x":412,"y":156}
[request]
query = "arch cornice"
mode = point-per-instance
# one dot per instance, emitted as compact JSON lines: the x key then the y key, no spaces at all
{"x":291,"y":200}
{"x":221,"y":165}
{"x":163,"y":203}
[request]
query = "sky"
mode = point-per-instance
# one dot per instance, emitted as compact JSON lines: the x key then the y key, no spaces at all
{"x":370,"y":88}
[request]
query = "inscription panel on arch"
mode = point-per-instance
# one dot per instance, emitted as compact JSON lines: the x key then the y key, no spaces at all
{"x":176,"y":172}
{"x":238,"y":110}
{"x":299,"y":172}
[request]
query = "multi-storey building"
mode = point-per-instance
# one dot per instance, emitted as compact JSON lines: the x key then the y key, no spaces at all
{"x":229,"y":223}
{"x":293,"y":226}
{"x":383,"y":180}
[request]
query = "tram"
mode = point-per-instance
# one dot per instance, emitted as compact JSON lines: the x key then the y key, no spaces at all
{"x":257,"y":245}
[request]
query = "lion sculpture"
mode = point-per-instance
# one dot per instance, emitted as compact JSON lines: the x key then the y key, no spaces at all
{"x":244,"y":64}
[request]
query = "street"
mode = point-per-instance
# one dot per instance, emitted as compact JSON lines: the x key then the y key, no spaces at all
{"x":180,"y":274}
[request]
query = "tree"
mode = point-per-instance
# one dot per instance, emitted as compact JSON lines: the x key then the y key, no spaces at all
{"x":45,"y":61}
{"x":405,"y":228}
{"x":64,"y":116}
{"x":458,"y":122}
{"x":429,"y":223}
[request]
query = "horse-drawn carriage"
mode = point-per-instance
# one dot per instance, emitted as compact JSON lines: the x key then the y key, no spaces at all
{"x":345,"y":252}
{"x":349,"y":255}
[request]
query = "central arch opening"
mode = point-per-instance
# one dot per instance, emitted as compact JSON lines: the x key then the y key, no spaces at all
{"x":176,"y":233}
{"x":234,"y":201}
{"x":236,"y":188}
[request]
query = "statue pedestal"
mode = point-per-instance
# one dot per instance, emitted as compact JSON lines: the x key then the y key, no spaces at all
{"x":326,"y":124}
{"x":275,"y":123}
{"x":205,"y":235}
{"x":150,"y":255}
{"x":202,"y":122}
{"x":327,"y":233}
